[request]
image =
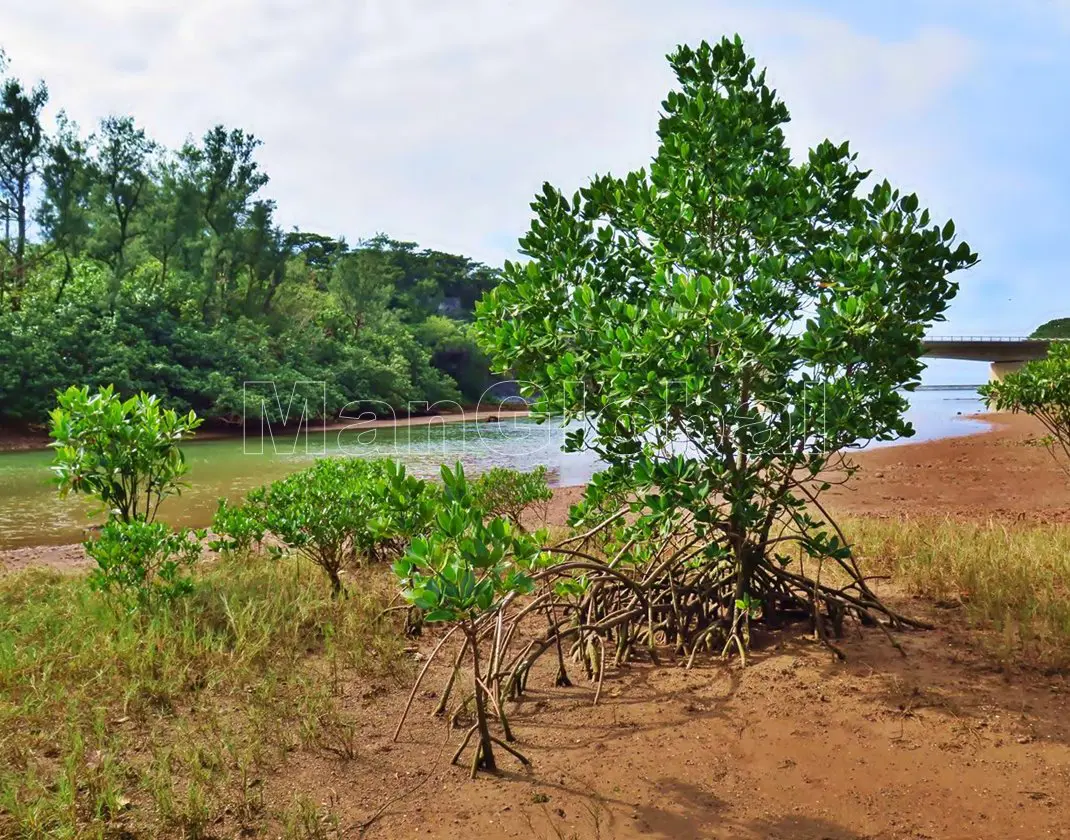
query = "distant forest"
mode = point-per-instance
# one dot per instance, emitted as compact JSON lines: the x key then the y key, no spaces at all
{"x":164,"y":270}
{"x":1057,"y":328}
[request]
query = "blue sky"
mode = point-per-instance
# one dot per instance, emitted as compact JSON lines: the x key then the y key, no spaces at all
{"x":437,"y":121}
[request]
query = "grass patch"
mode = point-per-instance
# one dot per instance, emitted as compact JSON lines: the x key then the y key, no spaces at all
{"x":1012,"y":578}
{"x":165,"y":725}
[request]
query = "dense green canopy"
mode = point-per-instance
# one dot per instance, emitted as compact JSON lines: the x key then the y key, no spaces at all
{"x":1055,"y":328}
{"x":126,"y":263}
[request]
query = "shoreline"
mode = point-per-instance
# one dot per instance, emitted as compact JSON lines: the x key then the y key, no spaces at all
{"x":1000,"y":474}
{"x":14,"y":441}
{"x":979,"y":476}
{"x":989,"y":421}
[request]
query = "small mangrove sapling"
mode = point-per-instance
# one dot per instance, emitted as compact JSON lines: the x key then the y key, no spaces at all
{"x":462,"y":573}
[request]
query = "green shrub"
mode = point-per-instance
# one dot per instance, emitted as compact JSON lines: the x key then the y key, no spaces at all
{"x":238,"y":526}
{"x":340,"y":511}
{"x":1040,"y":389}
{"x":124,"y":453}
{"x":140,"y":564}
{"x":510,"y":493}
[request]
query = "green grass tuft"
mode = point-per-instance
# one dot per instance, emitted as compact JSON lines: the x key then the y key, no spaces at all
{"x":167,"y":723}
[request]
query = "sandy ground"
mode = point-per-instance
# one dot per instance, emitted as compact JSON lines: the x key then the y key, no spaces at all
{"x":936,"y":744}
{"x":939,"y":744}
{"x":999,"y":474}
{"x":60,"y":557}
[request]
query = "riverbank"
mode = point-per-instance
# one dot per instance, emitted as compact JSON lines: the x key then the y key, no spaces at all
{"x":997,"y":475}
{"x":24,"y":441}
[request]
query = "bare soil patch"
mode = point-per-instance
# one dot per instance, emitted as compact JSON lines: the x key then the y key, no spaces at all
{"x":937,"y":744}
{"x":62,"y":558}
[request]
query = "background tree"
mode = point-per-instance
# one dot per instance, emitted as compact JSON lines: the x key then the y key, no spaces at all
{"x":431,"y":278}
{"x":21,"y":145}
{"x":66,"y":180}
{"x":174,"y":213}
{"x":229,"y":178}
{"x":720,"y":325}
{"x":266,"y":252}
{"x":1055,"y":328}
{"x":122,"y":159}
{"x":455,"y":352}
{"x":363,"y":283}
{"x":1040,"y":389}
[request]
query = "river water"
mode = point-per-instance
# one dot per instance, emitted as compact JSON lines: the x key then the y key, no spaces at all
{"x":31,"y":512}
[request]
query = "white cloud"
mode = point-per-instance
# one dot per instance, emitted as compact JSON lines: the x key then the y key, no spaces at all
{"x":437,"y":121}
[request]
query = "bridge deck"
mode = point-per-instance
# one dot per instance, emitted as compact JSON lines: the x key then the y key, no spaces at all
{"x":987,"y":348}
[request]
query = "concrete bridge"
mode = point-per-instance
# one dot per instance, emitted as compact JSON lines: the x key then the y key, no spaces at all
{"x":1005,"y":353}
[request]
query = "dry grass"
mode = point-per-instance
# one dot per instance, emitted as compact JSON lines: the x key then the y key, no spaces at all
{"x":115,"y":725}
{"x":1013,"y":579}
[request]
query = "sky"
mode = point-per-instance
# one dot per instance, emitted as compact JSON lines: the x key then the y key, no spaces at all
{"x":436,"y":122}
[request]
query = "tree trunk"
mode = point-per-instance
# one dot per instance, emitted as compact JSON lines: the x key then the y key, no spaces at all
{"x":484,"y":759}
{"x":20,"y":243}
{"x":163,"y":269}
{"x":336,"y":583}
{"x":68,"y":274}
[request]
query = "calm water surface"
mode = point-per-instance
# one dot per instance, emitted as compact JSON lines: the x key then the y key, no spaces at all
{"x":939,"y":413}
{"x":31,"y":513}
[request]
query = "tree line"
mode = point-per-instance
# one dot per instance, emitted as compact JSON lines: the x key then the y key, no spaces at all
{"x":125,"y":262}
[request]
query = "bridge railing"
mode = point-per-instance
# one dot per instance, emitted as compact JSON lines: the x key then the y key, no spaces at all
{"x":976,"y":338}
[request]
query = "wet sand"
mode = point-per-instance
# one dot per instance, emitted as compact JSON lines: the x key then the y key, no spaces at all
{"x":1001,"y":474}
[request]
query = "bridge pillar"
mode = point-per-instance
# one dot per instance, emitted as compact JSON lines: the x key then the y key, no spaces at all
{"x":998,"y":370}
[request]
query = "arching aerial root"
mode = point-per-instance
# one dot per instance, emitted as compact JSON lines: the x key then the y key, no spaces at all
{"x":623,"y":613}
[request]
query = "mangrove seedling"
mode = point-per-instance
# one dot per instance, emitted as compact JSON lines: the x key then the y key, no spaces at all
{"x":123,"y":452}
{"x":337,"y":513}
{"x":511,"y":493}
{"x":462,"y":573}
{"x":140,"y":564}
